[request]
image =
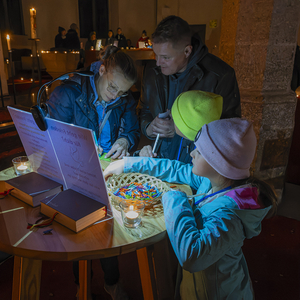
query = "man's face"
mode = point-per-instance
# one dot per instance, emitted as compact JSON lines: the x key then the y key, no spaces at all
{"x":109,"y":34}
{"x":119,"y":31}
{"x":170,"y":60}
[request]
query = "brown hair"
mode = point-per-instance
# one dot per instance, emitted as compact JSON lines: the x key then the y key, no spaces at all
{"x":172,"y":29}
{"x":266,"y":193}
{"x":113,"y":58}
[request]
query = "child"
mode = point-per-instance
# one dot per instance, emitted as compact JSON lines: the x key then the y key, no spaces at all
{"x":207,"y":237}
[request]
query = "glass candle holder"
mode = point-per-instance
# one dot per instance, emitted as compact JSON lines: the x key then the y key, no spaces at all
{"x":132,"y":212}
{"x":21,"y":165}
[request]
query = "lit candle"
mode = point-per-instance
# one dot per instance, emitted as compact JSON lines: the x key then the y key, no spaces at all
{"x":131,"y":214}
{"x":8,"y":42}
{"x":33,"y":23}
{"x":22,"y":168}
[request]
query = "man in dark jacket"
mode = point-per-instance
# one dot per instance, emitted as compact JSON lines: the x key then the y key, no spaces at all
{"x":72,"y":41}
{"x":182,"y":63}
{"x":122,"y":43}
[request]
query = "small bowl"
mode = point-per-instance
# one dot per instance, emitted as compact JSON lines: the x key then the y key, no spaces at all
{"x":117,"y":181}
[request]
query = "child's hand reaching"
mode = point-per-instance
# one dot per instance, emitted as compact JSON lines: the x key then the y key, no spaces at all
{"x":116,"y":167}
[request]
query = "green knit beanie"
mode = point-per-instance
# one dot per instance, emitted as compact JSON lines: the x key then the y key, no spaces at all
{"x":192,"y":109}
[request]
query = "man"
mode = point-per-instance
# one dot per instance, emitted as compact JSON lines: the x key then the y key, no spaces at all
{"x":182,"y":63}
{"x":122,"y":43}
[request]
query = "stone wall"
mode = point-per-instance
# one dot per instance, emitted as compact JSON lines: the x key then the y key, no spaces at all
{"x":258,"y":39}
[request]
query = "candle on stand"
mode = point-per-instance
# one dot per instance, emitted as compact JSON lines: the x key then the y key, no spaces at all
{"x":132,"y":212}
{"x":8,"y":42}
{"x":33,"y":23}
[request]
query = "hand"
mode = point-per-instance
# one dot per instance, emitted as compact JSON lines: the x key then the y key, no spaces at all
{"x":165,"y":128}
{"x":99,"y":150}
{"x":116,"y":167}
{"x":147,"y":152}
{"x":119,"y":149}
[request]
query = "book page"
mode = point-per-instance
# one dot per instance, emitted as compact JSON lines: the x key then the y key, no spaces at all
{"x":65,"y":153}
{"x":37,"y":145}
{"x":77,"y":153}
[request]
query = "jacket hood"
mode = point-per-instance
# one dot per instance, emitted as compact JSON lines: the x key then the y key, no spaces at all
{"x":249,"y":211}
{"x":199,"y":50}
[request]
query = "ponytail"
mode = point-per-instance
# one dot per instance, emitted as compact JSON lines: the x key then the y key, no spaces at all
{"x":114,"y":58}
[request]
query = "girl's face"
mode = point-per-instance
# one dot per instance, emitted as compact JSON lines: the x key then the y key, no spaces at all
{"x":201,"y":167}
{"x":112,"y":84}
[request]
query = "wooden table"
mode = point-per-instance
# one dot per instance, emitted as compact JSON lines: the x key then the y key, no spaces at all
{"x":104,"y":239}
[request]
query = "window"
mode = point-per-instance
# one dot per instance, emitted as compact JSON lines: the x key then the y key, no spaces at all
{"x":11,"y":16}
{"x":93,"y":16}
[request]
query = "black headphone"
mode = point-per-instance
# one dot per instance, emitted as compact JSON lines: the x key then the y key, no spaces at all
{"x":40,"y":111}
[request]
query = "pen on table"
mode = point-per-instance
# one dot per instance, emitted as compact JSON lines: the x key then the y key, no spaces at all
{"x":157,"y":137}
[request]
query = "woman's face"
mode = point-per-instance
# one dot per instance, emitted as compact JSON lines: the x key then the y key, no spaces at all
{"x":112,"y":84}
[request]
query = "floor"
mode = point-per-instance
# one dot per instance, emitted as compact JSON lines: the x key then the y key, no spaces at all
{"x":273,"y":259}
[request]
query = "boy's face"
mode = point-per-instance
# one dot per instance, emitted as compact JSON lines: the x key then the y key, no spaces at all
{"x":179,"y":132}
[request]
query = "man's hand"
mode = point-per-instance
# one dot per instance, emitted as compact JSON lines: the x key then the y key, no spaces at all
{"x":116,"y":167}
{"x":147,"y":152}
{"x":165,"y":128}
{"x":119,"y":149}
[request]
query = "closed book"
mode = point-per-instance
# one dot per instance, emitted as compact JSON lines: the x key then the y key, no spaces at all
{"x":32,"y":188}
{"x":75,"y":211}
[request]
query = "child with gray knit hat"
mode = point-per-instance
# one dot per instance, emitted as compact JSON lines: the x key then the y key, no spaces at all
{"x":207,"y":235}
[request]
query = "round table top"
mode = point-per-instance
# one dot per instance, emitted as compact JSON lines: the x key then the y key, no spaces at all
{"x":104,"y":239}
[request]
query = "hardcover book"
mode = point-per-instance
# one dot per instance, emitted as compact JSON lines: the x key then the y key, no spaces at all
{"x":67,"y":154}
{"x":75,"y":210}
{"x":32,"y":188}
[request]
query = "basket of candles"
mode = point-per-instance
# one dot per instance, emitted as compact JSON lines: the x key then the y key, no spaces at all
{"x":136,"y":186}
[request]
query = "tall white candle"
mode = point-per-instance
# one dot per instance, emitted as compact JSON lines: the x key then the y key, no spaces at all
{"x":33,"y":23}
{"x":8,"y":42}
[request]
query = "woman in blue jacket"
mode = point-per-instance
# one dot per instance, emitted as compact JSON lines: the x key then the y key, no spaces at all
{"x":207,"y":235}
{"x":104,"y":104}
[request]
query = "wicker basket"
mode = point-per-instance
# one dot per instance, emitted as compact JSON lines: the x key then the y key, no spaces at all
{"x":117,"y":181}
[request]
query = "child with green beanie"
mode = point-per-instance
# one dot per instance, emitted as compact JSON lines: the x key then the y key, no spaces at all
{"x":207,"y":236}
{"x":190,"y":111}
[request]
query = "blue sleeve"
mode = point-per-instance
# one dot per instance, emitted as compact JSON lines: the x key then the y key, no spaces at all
{"x":129,"y":128}
{"x":199,"y":246}
{"x":165,"y":169}
{"x":61,"y":104}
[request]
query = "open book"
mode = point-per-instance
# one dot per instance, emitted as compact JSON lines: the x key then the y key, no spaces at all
{"x":64,"y":153}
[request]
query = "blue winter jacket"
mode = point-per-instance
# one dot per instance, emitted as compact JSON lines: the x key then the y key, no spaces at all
{"x":207,"y":239}
{"x":72,"y":102}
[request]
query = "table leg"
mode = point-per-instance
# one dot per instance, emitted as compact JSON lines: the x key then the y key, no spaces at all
{"x":85,"y":280}
{"x":158,"y":266}
{"x":26,"y":278}
{"x":147,"y":272}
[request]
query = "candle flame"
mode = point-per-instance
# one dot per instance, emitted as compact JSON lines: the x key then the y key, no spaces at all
{"x":8,"y":37}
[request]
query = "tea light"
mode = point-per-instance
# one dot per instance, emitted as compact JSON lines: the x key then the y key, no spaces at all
{"x":132,"y":212}
{"x":21,"y":165}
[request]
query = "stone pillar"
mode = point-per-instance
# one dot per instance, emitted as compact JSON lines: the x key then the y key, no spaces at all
{"x":258,"y":38}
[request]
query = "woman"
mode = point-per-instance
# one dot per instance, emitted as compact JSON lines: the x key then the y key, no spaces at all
{"x":101,"y":103}
{"x":91,"y":42}
{"x":104,"y":104}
